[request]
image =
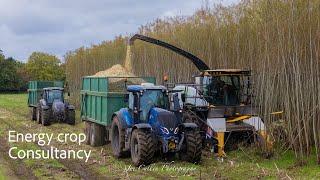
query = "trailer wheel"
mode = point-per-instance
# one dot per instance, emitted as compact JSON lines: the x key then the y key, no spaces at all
{"x":38,"y":118}
{"x":118,"y":139}
{"x":45,"y":117}
{"x":97,"y":135}
{"x":87,"y":131}
{"x":33,"y":113}
{"x":192,"y":146}
{"x":71,"y":117}
{"x":142,"y":147}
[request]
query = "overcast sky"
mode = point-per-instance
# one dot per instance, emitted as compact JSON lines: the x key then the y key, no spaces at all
{"x":56,"y":26}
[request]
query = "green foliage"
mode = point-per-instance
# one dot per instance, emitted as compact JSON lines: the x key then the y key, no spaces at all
{"x":10,"y":79}
{"x":44,"y":67}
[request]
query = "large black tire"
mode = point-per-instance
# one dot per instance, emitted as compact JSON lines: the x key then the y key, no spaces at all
{"x":71,"y":117}
{"x":87,"y":132}
{"x":191,"y":146}
{"x":38,"y":116}
{"x":97,"y":135}
{"x":45,"y":117}
{"x":142,"y":147}
{"x":118,"y":139}
{"x":33,"y":113}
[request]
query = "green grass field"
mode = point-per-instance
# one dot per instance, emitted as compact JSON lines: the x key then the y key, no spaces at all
{"x":243,"y":163}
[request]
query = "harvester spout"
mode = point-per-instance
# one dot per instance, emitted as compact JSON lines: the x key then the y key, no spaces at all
{"x":195,"y":60}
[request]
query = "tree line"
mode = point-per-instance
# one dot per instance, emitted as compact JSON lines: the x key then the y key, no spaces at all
{"x":15,"y":75}
{"x":277,"y":39}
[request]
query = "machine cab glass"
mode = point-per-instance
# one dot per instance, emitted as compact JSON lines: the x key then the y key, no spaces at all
{"x":51,"y":95}
{"x":152,"y":98}
{"x":223,"y":90}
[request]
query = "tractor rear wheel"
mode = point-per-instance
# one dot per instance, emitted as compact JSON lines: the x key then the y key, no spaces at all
{"x":33,"y":113}
{"x":97,"y":135}
{"x":45,"y":117}
{"x":192,"y":146}
{"x":38,"y":118}
{"x":87,"y":131}
{"x":118,"y":139}
{"x":142,"y":147}
{"x":71,"y":117}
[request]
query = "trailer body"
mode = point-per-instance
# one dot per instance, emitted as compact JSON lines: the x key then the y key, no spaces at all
{"x":102,"y":96}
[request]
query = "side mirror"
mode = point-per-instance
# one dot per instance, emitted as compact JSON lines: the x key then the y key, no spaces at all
{"x":126,"y":98}
{"x":68,"y":93}
{"x":183,"y":97}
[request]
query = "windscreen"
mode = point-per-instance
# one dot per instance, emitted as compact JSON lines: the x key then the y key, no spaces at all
{"x":152,"y":98}
{"x":222,"y":90}
{"x":54,"y":94}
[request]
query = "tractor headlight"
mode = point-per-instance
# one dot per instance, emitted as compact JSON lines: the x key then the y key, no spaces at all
{"x":176,"y":130}
{"x":164,"y":130}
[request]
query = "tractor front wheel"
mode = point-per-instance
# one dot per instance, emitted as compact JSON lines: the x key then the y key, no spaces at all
{"x":192,"y":146}
{"x":45,"y":117}
{"x":142,"y":147}
{"x":71,"y":117}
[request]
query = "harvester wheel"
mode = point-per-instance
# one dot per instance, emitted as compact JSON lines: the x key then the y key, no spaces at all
{"x":118,"y":139}
{"x":71,"y":117}
{"x":87,"y":131}
{"x":45,"y":117}
{"x":142,"y":147}
{"x":38,"y":118}
{"x":192,"y":146}
{"x":97,"y":135}
{"x":33,"y":113}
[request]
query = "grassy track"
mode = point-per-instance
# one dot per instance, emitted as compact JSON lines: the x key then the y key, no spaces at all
{"x":243,"y":163}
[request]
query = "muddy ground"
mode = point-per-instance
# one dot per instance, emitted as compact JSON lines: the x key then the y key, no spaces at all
{"x":243,"y":163}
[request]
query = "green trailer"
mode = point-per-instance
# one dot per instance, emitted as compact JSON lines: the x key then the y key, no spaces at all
{"x":35,"y":89}
{"x":100,"y":98}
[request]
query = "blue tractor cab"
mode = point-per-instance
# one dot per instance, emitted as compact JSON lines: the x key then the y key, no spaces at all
{"x":147,"y":125}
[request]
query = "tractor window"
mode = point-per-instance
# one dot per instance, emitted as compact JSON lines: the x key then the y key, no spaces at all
{"x":54,"y":94}
{"x":131,"y":99}
{"x":152,"y":98}
{"x":222,"y":90}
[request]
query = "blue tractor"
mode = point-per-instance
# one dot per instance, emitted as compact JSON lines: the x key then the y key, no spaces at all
{"x":147,"y":125}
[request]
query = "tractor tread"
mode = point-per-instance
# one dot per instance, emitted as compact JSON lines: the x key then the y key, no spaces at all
{"x":71,"y":117}
{"x":45,"y":117}
{"x":192,"y":152}
{"x":146,"y":147}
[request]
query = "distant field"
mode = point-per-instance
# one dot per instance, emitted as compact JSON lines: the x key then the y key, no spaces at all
{"x":243,"y":163}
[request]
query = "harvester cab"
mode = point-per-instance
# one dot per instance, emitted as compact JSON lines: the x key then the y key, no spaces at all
{"x":226,"y":86}
{"x":219,"y":101}
{"x":147,"y":125}
{"x":53,"y":105}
